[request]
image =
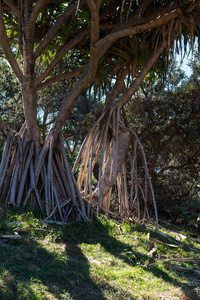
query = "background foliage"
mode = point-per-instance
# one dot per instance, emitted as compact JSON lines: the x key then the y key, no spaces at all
{"x":166,"y":116}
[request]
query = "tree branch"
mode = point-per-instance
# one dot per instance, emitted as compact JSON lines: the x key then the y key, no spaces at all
{"x":13,"y":7}
{"x":54,"y":79}
{"x":4,"y":128}
{"x":140,"y":76}
{"x":99,"y":48}
{"x":98,"y":2}
{"x":61,"y":53}
{"x":54,"y":29}
{"x":113,"y":36}
{"x":190,"y":7}
{"x":86,"y":77}
{"x":37,"y":9}
{"x":94,"y":8}
{"x":65,"y":49}
{"x":6,"y":48}
{"x":91,"y":4}
{"x":186,"y":164}
{"x":119,"y":81}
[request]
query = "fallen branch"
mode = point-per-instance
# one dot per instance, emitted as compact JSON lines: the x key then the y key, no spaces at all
{"x":19,"y":229}
{"x":9,"y":237}
{"x":166,"y":244}
{"x":183,"y":259}
{"x":197,"y":240}
{"x":150,"y":254}
{"x":178,"y":268}
{"x":52,"y":222}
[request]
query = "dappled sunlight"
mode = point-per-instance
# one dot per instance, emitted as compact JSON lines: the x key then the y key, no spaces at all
{"x":105,"y":260}
{"x":122,"y":265}
{"x":40,"y":271}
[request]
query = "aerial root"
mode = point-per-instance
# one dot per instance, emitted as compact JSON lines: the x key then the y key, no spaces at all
{"x":36,"y":178}
{"x":128,"y":195}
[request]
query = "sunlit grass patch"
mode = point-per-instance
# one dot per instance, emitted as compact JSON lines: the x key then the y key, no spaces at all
{"x":107,"y":260}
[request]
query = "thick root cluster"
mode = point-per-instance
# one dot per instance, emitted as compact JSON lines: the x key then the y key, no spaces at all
{"x":124,"y":187}
{"x":40,"y":178}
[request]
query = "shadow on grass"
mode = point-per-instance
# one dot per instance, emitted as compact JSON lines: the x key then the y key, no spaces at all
{"x":100,"y":234}
{"x":30,"y":271}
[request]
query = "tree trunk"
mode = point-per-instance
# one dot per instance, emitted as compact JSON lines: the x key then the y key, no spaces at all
{"x":30,"y":108}
{"x":107,"y":178}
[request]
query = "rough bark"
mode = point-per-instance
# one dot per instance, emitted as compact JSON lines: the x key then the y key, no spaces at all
{"x":30,"y":109}
{"x":107,"y":178}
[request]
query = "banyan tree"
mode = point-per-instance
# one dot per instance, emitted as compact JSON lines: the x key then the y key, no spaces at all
{"x":45,"y":41}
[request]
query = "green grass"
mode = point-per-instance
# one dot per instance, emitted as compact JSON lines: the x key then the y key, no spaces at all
{"x":104,"y":261}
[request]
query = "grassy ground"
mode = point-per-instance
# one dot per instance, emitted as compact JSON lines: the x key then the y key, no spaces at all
{"x":104,"y":261}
